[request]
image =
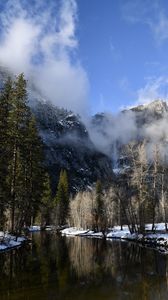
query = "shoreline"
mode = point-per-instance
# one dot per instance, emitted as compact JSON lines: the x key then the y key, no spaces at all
{"x":157,"y":240}
{"x":9,"y":242}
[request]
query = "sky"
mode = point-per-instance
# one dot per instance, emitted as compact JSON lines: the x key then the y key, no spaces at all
{"x":88,"y":55}
{"x":124,"y":46}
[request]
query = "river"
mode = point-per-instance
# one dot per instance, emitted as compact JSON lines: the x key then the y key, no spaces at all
{"x":74,"y":268}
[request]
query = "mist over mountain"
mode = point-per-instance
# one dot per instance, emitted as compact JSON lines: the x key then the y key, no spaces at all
{"x":45,"y":47}
{"x":147,"y":122}
{"x":67,"y":145}
{"x":89,"y":148}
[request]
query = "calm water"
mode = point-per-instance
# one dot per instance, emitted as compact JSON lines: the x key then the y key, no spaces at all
{"x":56,"y":268}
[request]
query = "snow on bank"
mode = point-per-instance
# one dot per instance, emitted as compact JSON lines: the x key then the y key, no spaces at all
{"x":74,"y":231}
{"x":113,"y":233}
{"x":158,"y":226}
{"x":34,"y":228}
{"x":157,"y":239}
{"x":8,"y":241}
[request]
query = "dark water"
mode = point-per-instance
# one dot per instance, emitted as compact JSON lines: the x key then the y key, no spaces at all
{"x":56,"y":268}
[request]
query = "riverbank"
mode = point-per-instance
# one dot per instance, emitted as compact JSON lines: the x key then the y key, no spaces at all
{"x":158,"y":240}
{"x":8,"y":241}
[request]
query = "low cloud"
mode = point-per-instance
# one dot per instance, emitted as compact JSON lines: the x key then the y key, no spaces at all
{"x":149,"y":123}
{"x":39,"y":39}
{"x":108,"y":131}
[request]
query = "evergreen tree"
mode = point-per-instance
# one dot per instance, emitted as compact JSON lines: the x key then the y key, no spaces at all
{"x":33,"y":170}
{"x":21,"y":157}
{"x":5,"y":99}
{"x":46,"y":202}
{"x":62,"y":199}
{"x":17,"y":124}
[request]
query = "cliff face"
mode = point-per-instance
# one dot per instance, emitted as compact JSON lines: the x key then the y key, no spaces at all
{"x":151,"y":112}
{"x":148,"y":122}
{"x":67,"y":145}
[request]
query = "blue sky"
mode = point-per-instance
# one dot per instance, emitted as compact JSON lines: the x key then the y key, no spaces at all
{"x":93,"y":55}
{"x":123,"y":46}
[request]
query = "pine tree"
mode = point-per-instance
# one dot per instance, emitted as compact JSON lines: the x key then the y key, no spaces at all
{"x":46,"y":202}
{"x":62,"y":199}
{"x":33,"y":170}
{"x":4,"y":147}
{"x":25,"y":164}
{"x":17,"y":124}
{"x":21,"y":157}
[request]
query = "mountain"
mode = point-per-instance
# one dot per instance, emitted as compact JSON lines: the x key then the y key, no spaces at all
{"x":147,"y":122}
{"x":67,"y":145}
{"x":157,"y":107}
{"x":88,"y":151}
{"x":150,"y":112}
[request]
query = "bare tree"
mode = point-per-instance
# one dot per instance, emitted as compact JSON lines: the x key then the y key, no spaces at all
{"x":81,"y":210}
{"x":137,"y":183}
{"x":164,"y":191}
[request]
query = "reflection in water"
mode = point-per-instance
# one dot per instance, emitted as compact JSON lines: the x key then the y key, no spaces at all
{"x":79,"y":268}
{"x":131,"y":271}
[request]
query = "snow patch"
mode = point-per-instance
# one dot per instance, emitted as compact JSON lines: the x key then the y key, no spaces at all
{"x":73,"y":231}
{"x":157,"y":240}
{"x":34,"y":228}
{"x":8,"y":241}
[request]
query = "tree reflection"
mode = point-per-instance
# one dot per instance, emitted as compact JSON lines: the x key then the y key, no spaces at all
{"x":126,"y":265}
{"x":56,"y":267}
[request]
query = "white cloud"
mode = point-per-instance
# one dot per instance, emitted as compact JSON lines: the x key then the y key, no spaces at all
{"x":155,"y":88}
{"x":68,"y":17}
{"x":18,"y":46}
{"x":160,"y":27}
{"x":149,"y":13}
{"x":40,"y":40}
{"x":111,"y":130}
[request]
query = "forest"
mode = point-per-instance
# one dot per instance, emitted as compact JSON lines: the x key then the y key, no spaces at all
{"x":135,"y":197}
{"x":25,"y":192}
